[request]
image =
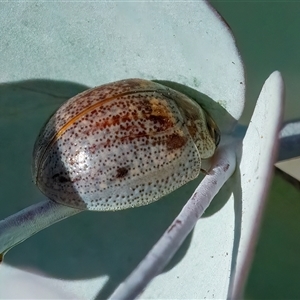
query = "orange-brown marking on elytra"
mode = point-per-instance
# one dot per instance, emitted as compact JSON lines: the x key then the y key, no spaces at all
{"x":176,"y":141}
{"x":114,"y":120}
{"x":91,"y":108}
{"x":162,"y":121}
{"x":192,"y":128}
{"x":161,"y":114}
{"x":158,"y":113}
{"x":160,"y":107}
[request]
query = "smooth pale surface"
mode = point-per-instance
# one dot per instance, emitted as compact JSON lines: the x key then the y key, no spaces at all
{"x":27,"y":282}
{"x":183,"y":43}
{"x":258,"y":156}
{"x":291,"y":167}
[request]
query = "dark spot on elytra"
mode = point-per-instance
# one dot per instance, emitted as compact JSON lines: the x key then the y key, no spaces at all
{"x":63,"y":179}
{"x":60,"y":178}
{"x":176,"y":141}
{"x":122,"y":172}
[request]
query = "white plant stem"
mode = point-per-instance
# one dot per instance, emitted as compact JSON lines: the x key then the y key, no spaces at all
{"x":20,"y":226}
{"x":158,"y":257}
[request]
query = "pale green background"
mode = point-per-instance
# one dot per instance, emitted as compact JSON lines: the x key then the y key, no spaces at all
{"x":267,"y":34}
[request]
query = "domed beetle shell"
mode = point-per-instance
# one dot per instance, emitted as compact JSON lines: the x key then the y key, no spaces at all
{"x":121,"y":145}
